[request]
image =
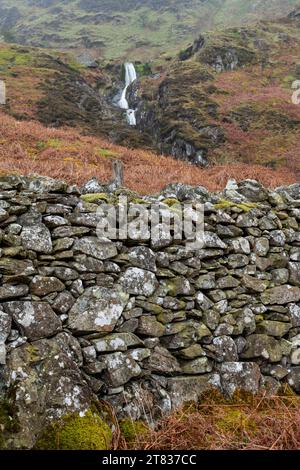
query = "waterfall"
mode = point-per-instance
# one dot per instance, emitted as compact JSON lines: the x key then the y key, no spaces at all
{"x":130,"y":77}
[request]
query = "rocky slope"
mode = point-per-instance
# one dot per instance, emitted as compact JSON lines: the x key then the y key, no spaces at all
{"x":117,"y":28}
{"x":225,"y":99}
{"x":144,"y":323}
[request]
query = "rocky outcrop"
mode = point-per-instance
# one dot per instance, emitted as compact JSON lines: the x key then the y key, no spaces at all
{"x":145,"y":326}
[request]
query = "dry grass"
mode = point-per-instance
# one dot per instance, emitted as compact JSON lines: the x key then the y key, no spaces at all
{"x":28,"y":147}
{"x":259,"y":423}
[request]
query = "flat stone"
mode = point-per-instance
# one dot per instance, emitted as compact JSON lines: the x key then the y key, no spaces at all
{"x":36,"y":320}
{"x":281,"y":295}
{"x":120,"y":369}
{"x":138,"y":281}
{"x":273,"y":328}
{"x":95,"y":247}
{"x":37,"y":238}
{"x":43,"y":285}
{"x":263,"y":346}
{"x":149,"y":326}
{"x":240,"y":376}
{"x":162,"y":361}
{"x":8,"y":291}
{"x":253,"y":284}
{"x":116,"y":342}
{"x":97,"y":309}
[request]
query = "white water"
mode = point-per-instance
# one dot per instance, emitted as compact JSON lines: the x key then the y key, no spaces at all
{"x":130,"y":77}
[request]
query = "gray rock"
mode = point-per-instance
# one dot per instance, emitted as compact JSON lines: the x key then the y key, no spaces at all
{"x":281,"y":295}
{"x":63,"y":302}
{"x":200,"y":365}
{"x":224,"y":349}
{"x":11,"y":292}
{"x":162,"y":361}
{"x":263,"y":346}
{"x":42,"y":285}
{"x":36,"y":320}
{"x":149,"y":326}
{"x":273,"y":328}
{"x":97,"y":309}
{"x":116,"y":342}
{"x":5,"y":325}
{"x":142,"y":257}
{"x":120,"y":369}
{"x":37,"y":238}
{"x":92,"y":246}
{"x":189,"y":389}
{"x":244,"y":376}
{"x":138,"y":281}
{"x":294,"y":314}
{"x":253,"y":284}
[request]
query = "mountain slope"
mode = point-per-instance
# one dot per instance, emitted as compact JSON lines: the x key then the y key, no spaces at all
{"x":137,"y":29}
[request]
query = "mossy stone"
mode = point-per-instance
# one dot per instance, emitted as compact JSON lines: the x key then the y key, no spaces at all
{"x":75,"y":432}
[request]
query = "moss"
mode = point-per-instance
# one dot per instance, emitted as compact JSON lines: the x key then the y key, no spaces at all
{"x":95,"y":197}
{"x":74,"y":432}
{"x":236,"y":421}
{"x":9,"y":423}
{"x":132,"y":430}
{"x":171,"y":201}
{"x":245,"y":206}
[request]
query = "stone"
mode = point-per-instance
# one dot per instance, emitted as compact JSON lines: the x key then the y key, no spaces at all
{"x":240,"y":376}
{"x":238,"y":260}
{"x":36,"y":320}
{"x":227,"y":282}
{"x":211,"y":318}
{"x":295,"y":357}
{"x":261,"y":246}
{"x":116,"y":342}
{"x":224,"y":349}
{"x":211,"y":240}
{"x":253,"y":191}
{"x":97,"y":309}
{"x":2,"y":354}
{"x":138,"y":281}
{"x":294,"y":314}
{"x":16,"y":267}
{"x":63,"y":302}
{"x":120,"y":369}
{"x":48,"y":385}
{"x":37,"y":238}
{"x":189,"y":389}
{"x":162,"y":361}
{"x":149,"y":326}
{"x":280,"y":276}
{"x":246,"y":220}
{"x":8,"y":291}
{"x":179,"y":286}
{"x":254,"y":284}
{"x":293,"y":378}
{"x":139,"y":354}
{"x":200,"y":365}
{"x":281,"y":295}
{"x":277,"y":238}
{"x":97,"y":248}
{"x":263,"y":346}
{"x":294,"y":269}
{"x":273,"y":328}
{"x":191,"y":352}
{"x":206,"y":281}
{"x":240,"y":245}
{"x":142,"y":257}
{"x":5,"y":325}
{"x":43,"y":285}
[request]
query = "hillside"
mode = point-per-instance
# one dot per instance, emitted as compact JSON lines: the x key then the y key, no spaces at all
{"x":126,"y":28}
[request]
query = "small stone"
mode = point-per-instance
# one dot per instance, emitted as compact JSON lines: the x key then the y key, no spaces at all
{"x":294,"y":314}
{"x":42,"y":285}
{"x":200,"y":365}
{"x":243,"y":376}
{"x":116,"y":342}
{"x":253,"y":284}
{"x":264,"y":346}
{"x":162,"y":361}
{"x":137,"y":281}
{"x":273,"y":328}
{"x":63,"y":302}
{"x":10,"y":291}
{"x":37,"y":238}
{"x":281,"y":295}
{"x":92,"y":246}
{"x":149,"y":326}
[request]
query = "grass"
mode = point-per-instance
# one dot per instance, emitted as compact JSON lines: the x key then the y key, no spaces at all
{"x":245,"y":423}
{"x":29,"y":147}
{"x":139,"y":33}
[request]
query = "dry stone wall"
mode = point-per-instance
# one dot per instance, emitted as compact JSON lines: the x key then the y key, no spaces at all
{"x":144,"y":325}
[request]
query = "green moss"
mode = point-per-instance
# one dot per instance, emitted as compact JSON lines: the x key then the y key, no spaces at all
{"x":132,"y":430}
{"x":95,"y":197}
{"x":236,"y":421}
{"x":171,"y":201}
{"x":74,"y":432}
{"x":245,"y":206}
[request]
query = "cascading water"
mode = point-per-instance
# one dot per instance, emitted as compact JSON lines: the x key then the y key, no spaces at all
{"x":130,"y":77}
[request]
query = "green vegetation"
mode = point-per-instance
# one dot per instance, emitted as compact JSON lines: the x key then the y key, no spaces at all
{"x":127,"y":31}
{"x":74,"y":432}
